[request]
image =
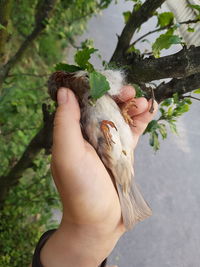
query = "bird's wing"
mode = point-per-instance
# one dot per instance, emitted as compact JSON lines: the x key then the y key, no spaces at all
{"x":120,"y":165}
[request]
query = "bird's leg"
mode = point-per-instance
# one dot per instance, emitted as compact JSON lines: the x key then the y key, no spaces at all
{"x":106,"y":132}
{"x":124,"y":110}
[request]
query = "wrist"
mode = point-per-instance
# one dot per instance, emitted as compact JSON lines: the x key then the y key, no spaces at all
{"x":79,"y":245}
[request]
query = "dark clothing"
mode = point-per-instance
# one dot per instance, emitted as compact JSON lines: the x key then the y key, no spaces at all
{"x":36,"y":256}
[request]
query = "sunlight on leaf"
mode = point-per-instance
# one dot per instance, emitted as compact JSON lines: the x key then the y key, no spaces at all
{"x":98,"y":85}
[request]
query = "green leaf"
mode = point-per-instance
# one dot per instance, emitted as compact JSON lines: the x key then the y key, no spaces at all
{"x":185,"y":108}
{"x":82,"y":57}
{"x":137,"y":6}
{"x":153,"y":141}
{"x":153,"y":125}
{"x":162,"y":129}
{"x":176,"y":98}
{"x":172,"y":126}
{"x":126,"y":15}
{"x":2,"y":27}
{"x":89,"y":67}
{"x":167,"y":102}
{"x":165,"y":19}
{"x":188,"y":101}
{"x":162,"y":111}
{"x":164,"y":41}
{"x":88,"y":43}
{"x":170,"y":111}
{"x":139,"y":91}
{"x":197,"y":7}
{"x":67,"y":67}
{"x":197,"y":91}
{"x":189,"y":29}
{"x":133,"y":49}
{"x":104,"y":3}
{"x":98,"y":85}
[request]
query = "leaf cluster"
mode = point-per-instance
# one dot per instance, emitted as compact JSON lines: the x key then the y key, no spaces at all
{"x":27,"y":213}
{"x":28,"y":209}
{"x":97,"y":81}
{"x":170,"y":109}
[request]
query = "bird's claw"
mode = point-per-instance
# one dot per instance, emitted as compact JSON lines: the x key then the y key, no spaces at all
{"x":125,"y":109}
{"x":106,"y":132}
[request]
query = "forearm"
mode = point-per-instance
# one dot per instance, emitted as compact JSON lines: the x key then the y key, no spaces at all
{"x":75,"y":245}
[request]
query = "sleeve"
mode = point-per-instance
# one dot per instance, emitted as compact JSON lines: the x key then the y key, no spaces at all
{"x":103,"y":264}
{"x":36,"y":256}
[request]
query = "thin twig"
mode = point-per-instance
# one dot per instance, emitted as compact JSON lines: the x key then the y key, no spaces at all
{"x":137,"y":18}
{"x":193,"y":97}
{"x":43,"y":13}
{"x":164,"y":28}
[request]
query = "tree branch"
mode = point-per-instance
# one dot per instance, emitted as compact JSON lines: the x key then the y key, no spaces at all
{"x":136,"y":19}
{"x":164,"y":28}
{"x":5,"y":10}
{"x":183,"y":63}
{"x":193,"y":97}
{"x":43,"y":13}
{"x":43,"y":139}
{"x":180,"y":86}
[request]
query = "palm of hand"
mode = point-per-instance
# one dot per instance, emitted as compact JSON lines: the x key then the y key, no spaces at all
{"x":87,"y":192}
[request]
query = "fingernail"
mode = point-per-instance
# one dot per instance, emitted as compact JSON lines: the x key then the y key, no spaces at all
{"x":62,"y":96}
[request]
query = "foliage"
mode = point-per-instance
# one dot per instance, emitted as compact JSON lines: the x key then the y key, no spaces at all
{"x":67,"y":67}
{"x":98,"y":84}
{"x":165,"y":41}
{"x":170,"y":110}
{"x":165,"y":19}
{"x":197,"y":91}
{"x":197,"y":9}
{"x":126,"y":15}
{"x":28,"y":208}
{"x":27,"y":213}
{"x":82,"y":58}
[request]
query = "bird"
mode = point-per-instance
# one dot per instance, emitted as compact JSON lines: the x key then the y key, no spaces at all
{"x":108,"y":129}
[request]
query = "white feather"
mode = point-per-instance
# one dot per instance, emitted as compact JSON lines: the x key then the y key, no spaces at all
{"x":118,"y":157}
{"x":115,"y":79}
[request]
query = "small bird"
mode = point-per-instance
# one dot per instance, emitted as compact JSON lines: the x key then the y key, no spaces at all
{"x":107,"y":128}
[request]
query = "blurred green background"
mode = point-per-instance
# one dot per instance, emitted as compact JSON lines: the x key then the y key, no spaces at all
{"x":27,"y":211}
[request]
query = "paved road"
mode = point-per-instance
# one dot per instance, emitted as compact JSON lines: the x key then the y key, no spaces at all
{"x":170,"y":179}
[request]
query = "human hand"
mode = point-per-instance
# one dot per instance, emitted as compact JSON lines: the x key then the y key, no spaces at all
{"x":92,"y":221}
{"x":87,"y":192}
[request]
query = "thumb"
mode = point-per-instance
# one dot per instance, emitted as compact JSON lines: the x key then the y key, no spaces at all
{"x":67,"y":136}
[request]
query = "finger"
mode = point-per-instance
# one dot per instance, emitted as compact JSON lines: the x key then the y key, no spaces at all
{"x":127,"y":92}
{"x":140,"y":105}
{"x":67,"y":136}
{"x":141,"y":120}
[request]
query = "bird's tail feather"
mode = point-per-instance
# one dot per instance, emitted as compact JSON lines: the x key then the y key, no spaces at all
{"x":134,"y":207}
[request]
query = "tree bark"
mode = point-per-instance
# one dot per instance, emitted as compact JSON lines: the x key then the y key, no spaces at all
{"x":137,"y":18}
{"x":5,"y":11}
{"x":177,"y":66}
{"x":43,"y":13}
{"x":42,"y":140}
{"x":180,"y":86}
{"x":184,"y":63}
